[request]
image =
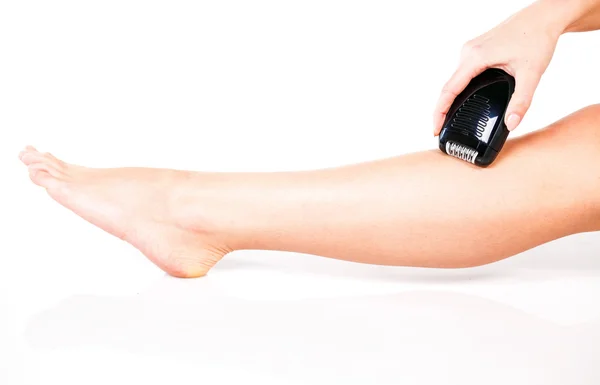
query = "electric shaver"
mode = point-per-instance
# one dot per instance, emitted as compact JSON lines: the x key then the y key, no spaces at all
{"x":474,"y":129}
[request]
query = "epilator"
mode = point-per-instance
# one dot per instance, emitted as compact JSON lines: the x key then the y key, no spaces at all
{"x":474,"y":129}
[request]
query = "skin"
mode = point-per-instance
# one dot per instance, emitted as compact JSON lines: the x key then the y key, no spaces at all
{"x":523,"y":46}
{"x":422,"y":209}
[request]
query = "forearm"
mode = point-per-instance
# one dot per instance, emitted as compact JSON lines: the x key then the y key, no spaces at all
{"x":565,"y":16}
{"x":423,"y":209}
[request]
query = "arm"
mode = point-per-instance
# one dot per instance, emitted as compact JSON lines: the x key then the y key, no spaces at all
{"x":523,"y":45}
{"x":582,"y":15}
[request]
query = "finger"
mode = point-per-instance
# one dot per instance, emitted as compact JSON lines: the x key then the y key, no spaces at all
{"x":525,"y":86}
{"x":457,"y":83}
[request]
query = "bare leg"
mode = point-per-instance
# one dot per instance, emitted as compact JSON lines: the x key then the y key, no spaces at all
{"x":422,"y":209}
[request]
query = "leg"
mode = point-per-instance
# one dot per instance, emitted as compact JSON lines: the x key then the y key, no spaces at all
{"x":422,"y":209}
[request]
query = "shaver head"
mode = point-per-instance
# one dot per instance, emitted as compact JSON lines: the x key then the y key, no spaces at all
{"x":474,"y":129}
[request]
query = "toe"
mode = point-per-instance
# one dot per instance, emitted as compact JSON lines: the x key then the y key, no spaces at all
{"x":47,"y":167}
{"x":28,"y":149}
{"x":42,"y":178}
{"x":30,"y":157}
{"x":59,"y":164}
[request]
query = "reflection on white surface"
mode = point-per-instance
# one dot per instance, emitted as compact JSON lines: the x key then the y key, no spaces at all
{"x":303,"y":320}
{"x":424,"y":337}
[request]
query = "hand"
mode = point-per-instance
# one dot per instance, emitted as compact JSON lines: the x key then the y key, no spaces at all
{"x":523,"y":46}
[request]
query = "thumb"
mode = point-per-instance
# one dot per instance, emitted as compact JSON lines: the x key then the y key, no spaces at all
{"x":525,"y":86}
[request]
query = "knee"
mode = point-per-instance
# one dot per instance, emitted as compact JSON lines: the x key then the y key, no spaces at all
{"x":577,"y":133}
{"x":583,"y":125}
{"x":577,"y":143}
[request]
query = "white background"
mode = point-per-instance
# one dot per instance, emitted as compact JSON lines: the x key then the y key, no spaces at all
{"x":265,"y":85}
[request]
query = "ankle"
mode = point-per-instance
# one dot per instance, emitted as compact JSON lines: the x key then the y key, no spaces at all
{"x":203,"y":203}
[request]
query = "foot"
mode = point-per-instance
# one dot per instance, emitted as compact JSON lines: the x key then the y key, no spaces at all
{"x":144,"y":207}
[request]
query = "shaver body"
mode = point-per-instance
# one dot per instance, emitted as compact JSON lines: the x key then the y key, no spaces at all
{"x":474,"y":128}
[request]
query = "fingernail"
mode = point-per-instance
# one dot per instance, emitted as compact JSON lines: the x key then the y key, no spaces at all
{"x":513,"y":121}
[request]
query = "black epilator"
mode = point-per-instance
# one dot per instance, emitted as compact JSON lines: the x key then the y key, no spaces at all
{"x":474,"y":129}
